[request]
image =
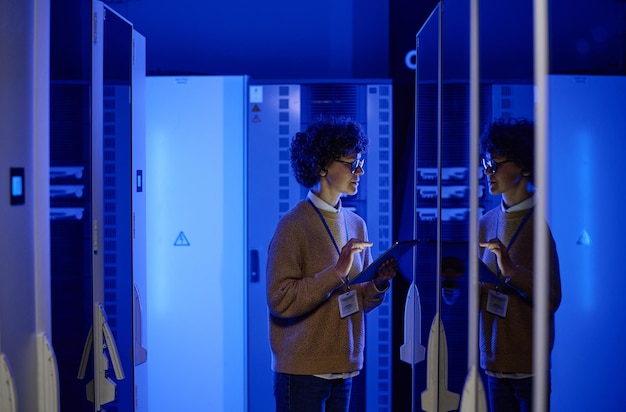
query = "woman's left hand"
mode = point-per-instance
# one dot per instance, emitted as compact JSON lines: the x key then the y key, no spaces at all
{"x":386,"y":271}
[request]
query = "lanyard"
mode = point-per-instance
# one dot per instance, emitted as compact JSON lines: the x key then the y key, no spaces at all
{"x":328,"y":229}
{"x":517,"y":232}
{"x":519,"y":228}
{"x":347,"y":279}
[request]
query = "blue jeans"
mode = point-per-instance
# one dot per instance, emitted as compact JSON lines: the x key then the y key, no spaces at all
{"x":513,"y":395}
{"x":510,"y":395}
{"x":306,"y":393}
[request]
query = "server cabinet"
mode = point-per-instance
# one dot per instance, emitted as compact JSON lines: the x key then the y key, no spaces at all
{"x":585,"y":151}
{"x":442,"y":183}
{"x":138,"y":225}
{"x":91,"y":213}
{"x":196,"y":224}
{"x":276,"y":111}
{"x":28,"y":368}
{"x":70,"y":195}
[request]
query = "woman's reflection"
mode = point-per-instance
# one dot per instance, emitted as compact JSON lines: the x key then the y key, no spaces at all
{"x":506,"y":247}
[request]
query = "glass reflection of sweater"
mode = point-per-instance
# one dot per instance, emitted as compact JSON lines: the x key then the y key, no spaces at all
{"x":506,"y":342}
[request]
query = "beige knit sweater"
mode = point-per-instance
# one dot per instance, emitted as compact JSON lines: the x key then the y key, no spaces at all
{"x":307,"y":334}
{"x":506,"y":343}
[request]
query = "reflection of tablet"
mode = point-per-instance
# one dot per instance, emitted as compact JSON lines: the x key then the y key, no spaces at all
{"x":396,"y":251}
{"x":486,"y":275}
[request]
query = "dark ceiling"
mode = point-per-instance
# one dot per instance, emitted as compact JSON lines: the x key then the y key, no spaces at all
{"x":292,"y":39}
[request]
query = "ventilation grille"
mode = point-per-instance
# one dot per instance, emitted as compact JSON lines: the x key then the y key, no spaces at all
{"x":332,"y":99}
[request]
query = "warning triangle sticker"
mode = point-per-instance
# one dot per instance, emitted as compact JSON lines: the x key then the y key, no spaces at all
{"x":584,"y":238}
{"x":181,"y":240}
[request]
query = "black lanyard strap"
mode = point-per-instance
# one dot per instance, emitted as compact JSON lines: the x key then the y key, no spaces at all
{"x":519,"y":228}
{"x":514,"y":238}
{"x":326,"y":226}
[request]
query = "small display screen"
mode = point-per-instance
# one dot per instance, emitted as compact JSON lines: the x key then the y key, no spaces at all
{"x":17,"y":188}
{"x":17,"y":185}
{"x":139,"y":180}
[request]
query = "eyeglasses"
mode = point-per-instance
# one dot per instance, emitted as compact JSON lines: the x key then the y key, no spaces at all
{"x":492,"y":166}
{"x":353,"y":165}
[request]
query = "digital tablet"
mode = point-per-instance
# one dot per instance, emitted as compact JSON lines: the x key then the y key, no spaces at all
{"x":396,"y":251}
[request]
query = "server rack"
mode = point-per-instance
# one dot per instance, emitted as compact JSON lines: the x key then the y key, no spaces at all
{"x":276,"y":111}
{"x":93,"y":128}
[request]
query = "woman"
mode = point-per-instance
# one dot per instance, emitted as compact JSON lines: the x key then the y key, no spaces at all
{"x":317,"y":321}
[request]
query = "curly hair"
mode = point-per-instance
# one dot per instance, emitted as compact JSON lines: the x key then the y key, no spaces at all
{"x":323,"y":142}
{"x":513,"y":138}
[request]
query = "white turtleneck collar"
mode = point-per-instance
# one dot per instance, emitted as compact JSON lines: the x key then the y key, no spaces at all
{"x":320,"y":204}
{"x":523,"y":205}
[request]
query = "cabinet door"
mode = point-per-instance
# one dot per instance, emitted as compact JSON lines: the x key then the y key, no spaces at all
{"x":585,"y":154}
{"x":70,"y":196}
{"x":195,"y":242}
{"x":274,"y":117}
{"x":140,"y":320}
{"x":111,"y":219}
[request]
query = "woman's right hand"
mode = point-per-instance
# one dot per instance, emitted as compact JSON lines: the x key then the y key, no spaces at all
{"x":346,"y":257}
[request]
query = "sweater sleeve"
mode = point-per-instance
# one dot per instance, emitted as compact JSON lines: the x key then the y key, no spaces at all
{"x":555,"y":276}
{"x":291,"y":291}
{"x":372,"y":298}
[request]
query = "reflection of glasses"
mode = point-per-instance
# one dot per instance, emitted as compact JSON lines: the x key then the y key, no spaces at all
{"x":492,"y":166}
{"x":353,"y":165}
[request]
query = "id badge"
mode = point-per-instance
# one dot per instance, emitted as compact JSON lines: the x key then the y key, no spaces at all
{"x":348,"y":303}
{"x":497,"y":303}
